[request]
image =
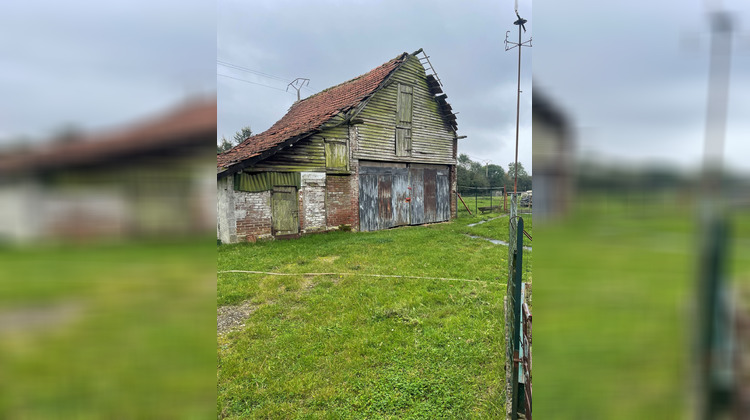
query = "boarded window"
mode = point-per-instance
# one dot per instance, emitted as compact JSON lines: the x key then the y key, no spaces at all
{"x":337,"y":158}
{"x":403,"y":120}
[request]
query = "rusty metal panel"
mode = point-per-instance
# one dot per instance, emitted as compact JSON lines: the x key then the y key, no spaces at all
{"x":385,"y":204}
{"x":443,"y":197}
{"x":416,"y":179}
{"x":284,"y":211}
{"x":401,"y":196}
{"x":430,"y":195}
{"x":368,"y":202}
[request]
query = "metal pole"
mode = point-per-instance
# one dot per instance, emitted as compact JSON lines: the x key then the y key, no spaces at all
{"x":518,"y":109}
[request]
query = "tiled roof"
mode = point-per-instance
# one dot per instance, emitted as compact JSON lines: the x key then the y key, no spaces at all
{"x":309,"y":114}
{"x":191,"y":124}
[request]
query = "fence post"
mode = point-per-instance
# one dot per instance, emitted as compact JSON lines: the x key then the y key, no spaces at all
{"x":476,"y":201}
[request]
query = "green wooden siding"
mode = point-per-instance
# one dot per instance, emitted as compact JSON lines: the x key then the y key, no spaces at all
{"x":306,"y":155}
{"x":431,"y":137}
{"x":403,"y":141}
{"x":265,"y":181}
{"x":337,"y":158}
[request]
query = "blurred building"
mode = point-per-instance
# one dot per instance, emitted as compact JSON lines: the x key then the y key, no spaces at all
{"x":149,"y":178}
{"x":553,"y":156}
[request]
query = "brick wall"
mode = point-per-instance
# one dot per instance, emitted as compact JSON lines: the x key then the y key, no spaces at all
{"x":341,"y":202}
{"x":253,"y":215}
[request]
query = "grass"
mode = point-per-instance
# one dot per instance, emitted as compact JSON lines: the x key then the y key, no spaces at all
{"x":616,"y":289}
{"x":108,"y":331}
{"x":352,"y":346}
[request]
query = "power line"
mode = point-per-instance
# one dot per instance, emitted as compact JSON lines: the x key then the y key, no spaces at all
{"x":254,"y":83}
{"x":257,"y":72}
{"x":249,"y":70}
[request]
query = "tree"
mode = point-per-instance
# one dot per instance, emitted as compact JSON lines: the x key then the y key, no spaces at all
{"x":223,"y":145}
{"x":238,"y":138}
{"x":524,"y":179}
{"x":241,"y":135}
{"x":464,"y":161}
{"x":495,"y":175}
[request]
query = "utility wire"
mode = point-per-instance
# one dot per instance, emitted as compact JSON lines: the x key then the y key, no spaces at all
{"x":257,"y":72}
{"x":254,"y":83}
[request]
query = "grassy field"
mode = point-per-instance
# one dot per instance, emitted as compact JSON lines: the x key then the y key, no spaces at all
{"x":615,"y":291}
{"x":108,"y":331}
{"x":348,"y":345}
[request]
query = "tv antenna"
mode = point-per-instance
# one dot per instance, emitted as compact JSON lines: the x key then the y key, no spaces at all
{"x":297,"y":84}
{"x":521,"y":23}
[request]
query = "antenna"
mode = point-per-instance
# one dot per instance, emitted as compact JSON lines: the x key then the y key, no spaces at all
{"x":297,"y":84}
{"x":521,"y":23}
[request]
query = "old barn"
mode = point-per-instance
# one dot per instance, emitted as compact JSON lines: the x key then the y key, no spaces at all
{"x":375,"y":152}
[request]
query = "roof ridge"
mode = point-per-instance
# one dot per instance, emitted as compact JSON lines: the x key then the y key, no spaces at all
{"x":400,"y":57}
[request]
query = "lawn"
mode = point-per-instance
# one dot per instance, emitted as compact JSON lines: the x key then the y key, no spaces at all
{"x":351,"y":345}
{"x":108,"y":331}
{"x":616,"y":289}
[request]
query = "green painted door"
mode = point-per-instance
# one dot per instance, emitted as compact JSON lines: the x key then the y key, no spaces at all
{"x":284,"y":211}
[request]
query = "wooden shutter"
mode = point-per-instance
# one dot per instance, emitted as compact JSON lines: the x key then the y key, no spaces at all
{"x":404,"y":105}
{"x":403,"y":142}
{"x":337,"y":158}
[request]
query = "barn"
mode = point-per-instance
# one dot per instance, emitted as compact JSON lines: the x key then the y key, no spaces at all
{"x":375,"y":152}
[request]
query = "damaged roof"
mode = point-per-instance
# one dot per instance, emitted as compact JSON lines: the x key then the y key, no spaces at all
{"x":310,"y":114}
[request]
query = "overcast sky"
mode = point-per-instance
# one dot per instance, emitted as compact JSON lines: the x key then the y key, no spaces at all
{"x":332,"y":41}
{"x":634,"y":77}
{"x":100,"y":64}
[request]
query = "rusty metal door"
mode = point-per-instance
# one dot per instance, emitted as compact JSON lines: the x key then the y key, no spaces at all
{"x":416,"y":178}
{"x":284,"y":211}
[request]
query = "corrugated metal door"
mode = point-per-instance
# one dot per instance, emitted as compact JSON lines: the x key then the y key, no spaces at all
{"x":430,"y":195}
{"x":385,"y":202}
{"x":284,"y":211}
{"x":401,"y":196}
{"x":443,"y":196}
{"x":368,"y":202}
{"x":417,"y":196}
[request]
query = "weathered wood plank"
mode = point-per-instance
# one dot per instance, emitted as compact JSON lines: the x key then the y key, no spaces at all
{"x":430,"y":196}
{"x":368,"y":202}
{"x":416,"y":182}
{"x":385,"y":202}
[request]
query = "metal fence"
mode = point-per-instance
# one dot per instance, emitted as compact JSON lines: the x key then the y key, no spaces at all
{"x":517,"y":322}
